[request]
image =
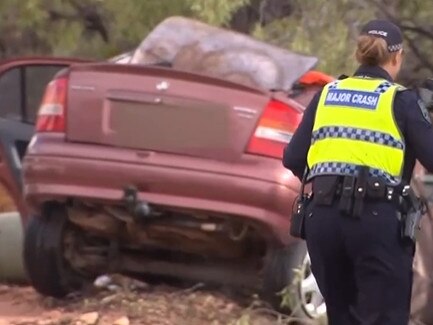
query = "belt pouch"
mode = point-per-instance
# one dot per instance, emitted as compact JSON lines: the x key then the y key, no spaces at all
{"x":297,"y":223}
{"x":324,"y":188}
{"x":360,"y":191}
{"x":376,"y":188}
{"x":346,"y":198}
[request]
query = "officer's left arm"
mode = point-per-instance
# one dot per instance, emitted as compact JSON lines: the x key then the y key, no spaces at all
{"x":418,"y":129}
{"x":295,"y":153}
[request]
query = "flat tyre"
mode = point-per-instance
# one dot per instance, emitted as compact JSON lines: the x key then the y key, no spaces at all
{"x":48,"y":271}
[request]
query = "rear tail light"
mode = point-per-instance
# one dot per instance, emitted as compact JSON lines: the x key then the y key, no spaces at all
{"x":51,"y":115}
{"x":275,"y":129}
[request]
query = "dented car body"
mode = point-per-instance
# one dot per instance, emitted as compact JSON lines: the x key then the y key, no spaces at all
{"x":167,"y":162}
{"x":160,"y":167}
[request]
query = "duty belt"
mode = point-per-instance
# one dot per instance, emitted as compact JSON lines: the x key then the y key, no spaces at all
{"x":353,"y":191}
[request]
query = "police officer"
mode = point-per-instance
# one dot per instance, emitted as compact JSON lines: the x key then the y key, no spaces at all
{"x":359,"y":138}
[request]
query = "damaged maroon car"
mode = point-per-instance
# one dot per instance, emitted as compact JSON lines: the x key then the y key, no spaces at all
{"x":168,"y":163}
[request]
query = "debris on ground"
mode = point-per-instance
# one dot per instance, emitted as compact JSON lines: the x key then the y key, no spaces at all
{"x":132,"y":302}
{"x":88,"y":319}
{"x":122,"y":321}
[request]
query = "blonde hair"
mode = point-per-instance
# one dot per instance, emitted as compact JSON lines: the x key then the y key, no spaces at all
{"x":372,"y":50}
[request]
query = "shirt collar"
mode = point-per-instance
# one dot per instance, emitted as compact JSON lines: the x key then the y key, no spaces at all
{"x":373,"y":72}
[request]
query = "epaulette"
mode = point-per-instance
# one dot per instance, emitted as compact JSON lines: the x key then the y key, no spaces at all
{"x":343,"y":76}
{"x":401,"y":88}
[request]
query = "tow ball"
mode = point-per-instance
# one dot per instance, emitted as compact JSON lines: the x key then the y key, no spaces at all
{"x":140,"y":210}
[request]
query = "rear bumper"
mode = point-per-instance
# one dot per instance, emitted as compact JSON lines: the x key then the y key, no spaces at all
{"x":55,"y":175}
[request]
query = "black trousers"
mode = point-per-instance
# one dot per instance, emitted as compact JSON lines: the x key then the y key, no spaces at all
{"x":362,"y":266}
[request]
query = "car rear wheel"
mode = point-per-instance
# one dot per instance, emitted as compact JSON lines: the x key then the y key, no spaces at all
{"x":288,"y":270}
{"x":48,"y":271}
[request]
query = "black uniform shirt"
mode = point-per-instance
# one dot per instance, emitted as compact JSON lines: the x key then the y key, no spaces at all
{"x":415,"y":127}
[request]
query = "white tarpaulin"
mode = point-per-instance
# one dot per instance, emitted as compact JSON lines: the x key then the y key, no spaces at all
{"x":197,"y":47}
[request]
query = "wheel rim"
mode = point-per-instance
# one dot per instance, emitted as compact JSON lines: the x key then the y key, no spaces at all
{"x":312,"y":300}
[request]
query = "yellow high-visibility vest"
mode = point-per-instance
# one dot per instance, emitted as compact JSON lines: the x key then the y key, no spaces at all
{"x":355,"y":126}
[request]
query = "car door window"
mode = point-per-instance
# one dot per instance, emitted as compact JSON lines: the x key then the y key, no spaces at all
{"x":10,"y":94}
{"x":36,"y":79}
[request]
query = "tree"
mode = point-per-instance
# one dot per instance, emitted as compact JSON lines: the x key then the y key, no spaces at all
{"x":415,"y":20}
{"x":327,"y":29}
{"x":94,"y":28}
{"x":90,"y":28}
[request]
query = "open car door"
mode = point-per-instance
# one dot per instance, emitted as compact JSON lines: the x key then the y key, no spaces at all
{"x":22,"y":85}
{"x":422,"y":290}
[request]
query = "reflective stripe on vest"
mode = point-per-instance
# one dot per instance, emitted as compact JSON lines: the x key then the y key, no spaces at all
{"x":355,"y":126}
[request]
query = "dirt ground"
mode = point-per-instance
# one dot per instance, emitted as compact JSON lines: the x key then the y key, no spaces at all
{"x":159,"y":305}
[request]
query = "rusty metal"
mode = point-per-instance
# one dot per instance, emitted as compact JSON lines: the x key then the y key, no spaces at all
{"x":95,"y":222}
{"x":193,"y":241}
{"x":240,"y":274}
{"x":171,"y":232}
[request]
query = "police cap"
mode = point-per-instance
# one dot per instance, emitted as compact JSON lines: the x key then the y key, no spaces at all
{"x":386,"y":30}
